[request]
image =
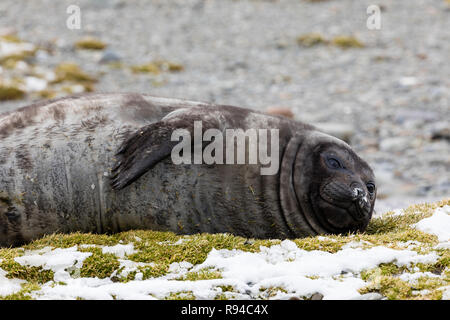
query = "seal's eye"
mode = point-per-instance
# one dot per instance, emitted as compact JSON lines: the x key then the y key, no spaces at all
{"x":370,"y":187}
{"x":333,"y":163}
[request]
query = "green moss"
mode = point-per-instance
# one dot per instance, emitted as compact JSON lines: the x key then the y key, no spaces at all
{"x":100,"y":265}
{"x":154,"y":271}
{"x":347,"y":42}
{"x":90,"y":43}
{"x":384,"y":269}
{"x":47,"y":94}
{"x":146,"y":68}
{"x":314,"y":39}
{"x":154,"y":248}
{"x":10,"y":93}
{"x":267,"y":293}
{"x":169,"y":66}
{"x":70,"y":240}
{"x":157,"y":66}
{"x":30,"y":274}
{"x":330,"y":244}
{"x":10,"y":38}
{"x":204,"y":274}
{"x":71,"y":72}
{"x":184,"y":295}
{"x":228,"y":288}
{"x":390,"y":287}
{"x":311,"y":39}
{"x":10,"y":60}
{"x":428,"y":283}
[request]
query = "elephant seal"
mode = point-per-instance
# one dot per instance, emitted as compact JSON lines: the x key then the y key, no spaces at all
{"x":102,"y":163}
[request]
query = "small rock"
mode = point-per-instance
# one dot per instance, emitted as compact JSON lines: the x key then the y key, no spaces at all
{"x":280,"y":111}
{"x":109,"y":56}
{"x":441,"y":134}
{"x":317,"y":296}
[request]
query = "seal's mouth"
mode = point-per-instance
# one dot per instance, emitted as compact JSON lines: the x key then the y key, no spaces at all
{"x":351,"y":198}
{"x":342,"y":208}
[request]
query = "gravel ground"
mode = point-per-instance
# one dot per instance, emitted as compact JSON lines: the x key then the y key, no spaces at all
{"x":391,"y":97}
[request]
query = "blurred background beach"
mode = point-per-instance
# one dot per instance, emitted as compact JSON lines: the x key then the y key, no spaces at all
{"x":385,"y":90}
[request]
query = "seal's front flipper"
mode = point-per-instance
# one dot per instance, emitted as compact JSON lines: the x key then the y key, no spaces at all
{"x":152,"y":143}
{"x":141,"y":152}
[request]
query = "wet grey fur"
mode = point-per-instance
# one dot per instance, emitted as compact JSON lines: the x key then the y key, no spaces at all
{"x":58,"y":158}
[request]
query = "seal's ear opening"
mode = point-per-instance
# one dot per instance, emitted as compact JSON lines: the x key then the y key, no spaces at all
{"x":141,"y":152}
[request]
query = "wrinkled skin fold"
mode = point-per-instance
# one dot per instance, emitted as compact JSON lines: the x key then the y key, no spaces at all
{"x":101,"y":163}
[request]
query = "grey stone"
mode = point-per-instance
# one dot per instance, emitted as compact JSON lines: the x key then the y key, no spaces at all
{"x":110,"y":56}
{"x":317,"y":296}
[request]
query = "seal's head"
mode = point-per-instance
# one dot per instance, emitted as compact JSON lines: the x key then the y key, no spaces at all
{"x":333,"y":189}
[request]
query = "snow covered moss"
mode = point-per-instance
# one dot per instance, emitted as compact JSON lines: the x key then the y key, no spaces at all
{"x":404,"y":254}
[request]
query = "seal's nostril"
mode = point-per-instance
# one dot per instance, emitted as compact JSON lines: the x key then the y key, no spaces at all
{"x":358,"y":193}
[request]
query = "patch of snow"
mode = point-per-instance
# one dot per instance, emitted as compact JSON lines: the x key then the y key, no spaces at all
{"x":409,"y":244}
{"x":299,"y":272}
{"x":356,"y":244}
{"x":443,"y":245}
{"x":421,"y":292}
{"x":446,"y":293}
{"x":131,"y":266}
{"x":120,"y":250}
{"x":413,"y":277}
{"x":9,"y":286}
{"x":438,"y":224}
{"x":86,"y":288}
{"x":180,"y":267}
{"x":57,"y":260}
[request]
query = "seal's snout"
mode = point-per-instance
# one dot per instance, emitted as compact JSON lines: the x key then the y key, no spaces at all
{"x":362,"y":202}
{"x":358,"y":193}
